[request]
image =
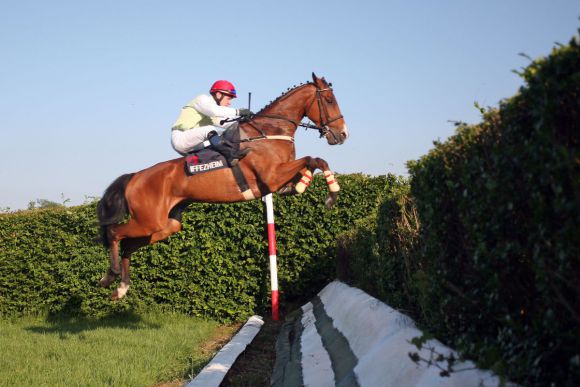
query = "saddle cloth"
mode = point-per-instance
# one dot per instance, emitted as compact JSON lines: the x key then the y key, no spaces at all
{"x":207,"y":159}
{"x":204,"y":160}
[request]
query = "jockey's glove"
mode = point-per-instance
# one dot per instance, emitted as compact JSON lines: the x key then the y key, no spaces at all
{"x":245,"y":112}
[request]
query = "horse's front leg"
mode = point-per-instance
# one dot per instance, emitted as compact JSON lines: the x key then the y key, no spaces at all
{"x":300,"y":173}
{"x":333,"y":186}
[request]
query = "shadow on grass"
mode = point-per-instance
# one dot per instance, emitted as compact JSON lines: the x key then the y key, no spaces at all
{"x":78,"y":324}
{"x":73,"y":321}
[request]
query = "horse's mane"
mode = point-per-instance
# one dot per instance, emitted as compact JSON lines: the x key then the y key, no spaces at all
{"x":289,"y":91}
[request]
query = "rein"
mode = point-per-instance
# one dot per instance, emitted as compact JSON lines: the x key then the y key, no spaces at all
{"x":323,"y":128}
{"x":264,"y":136}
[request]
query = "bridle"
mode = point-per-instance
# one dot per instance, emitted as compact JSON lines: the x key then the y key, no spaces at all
{"x":323,"y":128}
{"x":325,"y":119}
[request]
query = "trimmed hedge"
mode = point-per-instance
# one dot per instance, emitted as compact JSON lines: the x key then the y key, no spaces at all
{"x":216,"y":267}
{"x":494,"y":269}
{"x":499,"y":204}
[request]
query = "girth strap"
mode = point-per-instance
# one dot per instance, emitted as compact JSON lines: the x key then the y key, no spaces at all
{"x":273,"y":137}
{"x":277,"y":137}
{"x":242,"y":182}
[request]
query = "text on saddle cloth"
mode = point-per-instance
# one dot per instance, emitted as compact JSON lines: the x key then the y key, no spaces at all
{"x":204,"y":160}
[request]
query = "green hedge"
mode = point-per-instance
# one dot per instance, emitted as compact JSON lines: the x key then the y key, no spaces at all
{"x":499,"y":204}
{"x":216,"y":267}
{"x":378,"y":255}
{"x":494,"y":269}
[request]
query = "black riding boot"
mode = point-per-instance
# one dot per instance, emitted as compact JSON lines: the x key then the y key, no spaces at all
{"x":227,"y":149}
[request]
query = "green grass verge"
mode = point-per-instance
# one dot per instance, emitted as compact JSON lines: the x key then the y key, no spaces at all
{"x":124,"y":350}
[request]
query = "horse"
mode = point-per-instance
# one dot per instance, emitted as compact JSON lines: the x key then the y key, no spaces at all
{"x":145,"y":207}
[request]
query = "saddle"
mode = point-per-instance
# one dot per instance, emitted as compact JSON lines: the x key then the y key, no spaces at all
{"x":208,"y":159}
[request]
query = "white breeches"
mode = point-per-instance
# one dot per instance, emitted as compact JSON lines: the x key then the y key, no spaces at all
{"x":183,"y":141}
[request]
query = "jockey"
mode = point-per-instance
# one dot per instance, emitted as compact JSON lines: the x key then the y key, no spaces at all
{"x":198,"y":124}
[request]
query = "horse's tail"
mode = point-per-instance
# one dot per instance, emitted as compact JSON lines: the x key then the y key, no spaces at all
{"x":112,"y":207}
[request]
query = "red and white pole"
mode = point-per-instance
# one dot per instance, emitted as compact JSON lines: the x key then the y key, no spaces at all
{"x":272,"y":253}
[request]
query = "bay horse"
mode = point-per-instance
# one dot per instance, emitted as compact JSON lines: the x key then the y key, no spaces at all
{"x":154,"y":198}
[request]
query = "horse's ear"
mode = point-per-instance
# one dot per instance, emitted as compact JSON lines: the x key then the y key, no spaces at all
{"x":321,"y":82}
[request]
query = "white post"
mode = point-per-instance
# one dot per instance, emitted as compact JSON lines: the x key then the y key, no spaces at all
{"x":272,"y":253}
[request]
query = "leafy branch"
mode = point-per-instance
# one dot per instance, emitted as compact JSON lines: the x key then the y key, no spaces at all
{"x":435,"y":358}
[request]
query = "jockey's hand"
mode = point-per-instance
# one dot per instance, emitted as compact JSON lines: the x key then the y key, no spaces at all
{"x":245,"y":112}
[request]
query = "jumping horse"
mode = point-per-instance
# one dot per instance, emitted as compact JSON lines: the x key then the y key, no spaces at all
{"x":154,"y":198}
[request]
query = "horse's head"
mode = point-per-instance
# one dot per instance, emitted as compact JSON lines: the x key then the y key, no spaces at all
{"x":325,"y":113}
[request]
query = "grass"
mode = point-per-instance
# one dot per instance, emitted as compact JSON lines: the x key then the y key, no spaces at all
{"x":123,"y":350}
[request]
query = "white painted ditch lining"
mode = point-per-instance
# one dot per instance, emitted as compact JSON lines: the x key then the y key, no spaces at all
{"x":214,"y":372}
{"x":380,"y":338}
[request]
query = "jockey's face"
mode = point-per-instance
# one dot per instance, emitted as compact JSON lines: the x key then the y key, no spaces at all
{"x":223,"y":99}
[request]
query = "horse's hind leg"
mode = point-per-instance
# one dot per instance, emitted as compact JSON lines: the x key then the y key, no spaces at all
{"x":130,"y":245}
{"x":115,"y":234}
{"x":114,"y":269}
{"x":124,"y":285}
{"x":172,"y":226}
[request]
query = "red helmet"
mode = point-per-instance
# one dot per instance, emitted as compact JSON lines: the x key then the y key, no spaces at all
{"x":224,"y":87}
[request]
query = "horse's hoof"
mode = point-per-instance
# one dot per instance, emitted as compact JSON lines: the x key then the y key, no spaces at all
{"x":288,"y":189}
{"x":120,"y":292}
{"x":106,"y":281}
{"x":331,"y":199}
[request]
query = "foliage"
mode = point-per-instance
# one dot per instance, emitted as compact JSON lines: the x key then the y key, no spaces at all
{"x":494,"y":269}
{"x":499,"y":204}
{"x":45,"y":203}
{"x":379,"y":254}
{"x":41,"y":203}
{"x":216,"y":267}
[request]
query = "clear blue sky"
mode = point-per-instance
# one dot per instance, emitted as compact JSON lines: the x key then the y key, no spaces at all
{"x":89,"y":90}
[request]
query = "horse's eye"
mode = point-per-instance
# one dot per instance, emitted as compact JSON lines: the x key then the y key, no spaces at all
{"x":330,"y":100}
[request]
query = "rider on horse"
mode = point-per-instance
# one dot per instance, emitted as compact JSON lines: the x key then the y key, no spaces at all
{"x":145,"y":207}
{"x":198,"y":124}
